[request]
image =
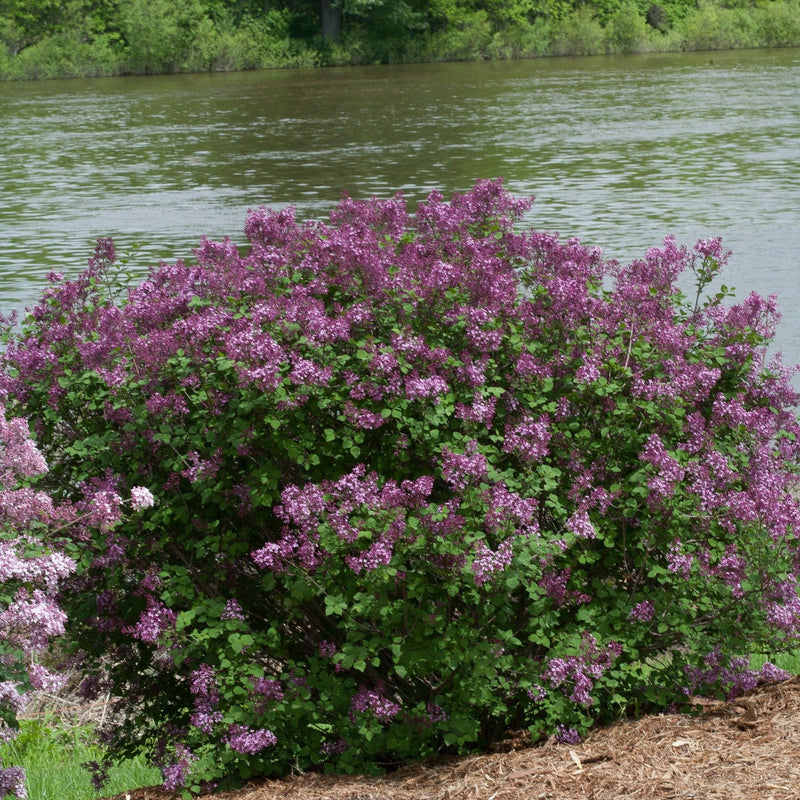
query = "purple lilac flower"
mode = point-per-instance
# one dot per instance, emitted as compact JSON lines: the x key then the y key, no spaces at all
{"x":529,"y":438}
{"x":769,"y":673}
{"x":176,"y":774}
{"x":333,"y":748}
{"x":679,"y":562}
{"x":567,"y":735}
{"x":580,"y":671}
{"x":141,"y":498}
{"x":505,"y":506}
{"x":308,"y":372}
{"x":480,"y":410}
{"x":417,"y":491}
{"x":232,"y":610}
{"x":248,"y":740}
{"x":106,"y":509}
{"x":642,"y":612}
{"x":436,"y":713}
{"x":43,"y":679}
{"x":554,"y":584}
{"x":669,"y":472}
{"x":20,"y":507}
{"x":114,"y":553}
{"x":731,"y":569}
{"x":487,"y":562}
{"x":300,"y":547}
{"x":47,"y":569}
{"x":785,"y":616}
{"x":10,"y":696}
{"x":483,"y":339}
{"x":160,"y":405}
{"x":31,"y":620}
{"x":205,"y":720}
{"x":375,"y":702}
{"x":417,"y":388}
{"x":472,"y":372}
{"x":463,"y":469}
{"x":363,"y":418}
{"x":21,"y":457}
{"x":587,"y":373}
{"x":206,"y":698}
{"x":201,"y":468}
{"x":581,"y":525}
{"x":154,"y":621}
{"x":12,"y":782}
{"x":327,"y":649}
{"x":734,"y":675}
{"x":268,"y":688}
{"x":378,"y":554}
{"x":537,"y":693}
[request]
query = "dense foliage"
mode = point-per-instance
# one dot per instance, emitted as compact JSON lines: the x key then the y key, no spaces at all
{"x":421,"y":479}
{"x":65,"y":38}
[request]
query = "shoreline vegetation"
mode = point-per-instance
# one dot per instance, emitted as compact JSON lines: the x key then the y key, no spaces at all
{"x":48,"y":39}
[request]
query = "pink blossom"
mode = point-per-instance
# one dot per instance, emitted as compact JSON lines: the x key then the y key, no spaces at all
{"x":141,"y":498}
{"x":31,"y":620}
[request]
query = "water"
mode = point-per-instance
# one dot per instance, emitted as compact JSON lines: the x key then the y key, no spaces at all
{"x":618,"y":151}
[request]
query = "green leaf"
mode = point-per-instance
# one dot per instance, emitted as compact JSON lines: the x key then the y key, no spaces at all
{"x":240,"y":641}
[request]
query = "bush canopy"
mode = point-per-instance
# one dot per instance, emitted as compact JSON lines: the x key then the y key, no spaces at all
{"x":421,"y":479}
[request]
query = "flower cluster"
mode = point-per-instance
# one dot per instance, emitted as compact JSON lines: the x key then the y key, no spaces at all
{"x":12,"y":782}
{"x":642,"y":612}
{"x":245,"y":740}
{"x":141,"y":498}
{"x":206,"y":698}
{"x":153,"y":622}
{"x":373,"y":701}
{"x":176,"y":773}
{"x":581,"y":671}
{"x":735,"y":675}
{"x":486,"y":561}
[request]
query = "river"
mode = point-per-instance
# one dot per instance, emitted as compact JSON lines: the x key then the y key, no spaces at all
{"x":619,"y":151}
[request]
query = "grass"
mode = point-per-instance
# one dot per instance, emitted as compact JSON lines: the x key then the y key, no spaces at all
{"x":790,"y":661}
{"x":52,"y":753}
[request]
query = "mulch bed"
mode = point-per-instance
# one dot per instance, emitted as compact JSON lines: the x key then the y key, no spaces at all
{"x":748,"y":749}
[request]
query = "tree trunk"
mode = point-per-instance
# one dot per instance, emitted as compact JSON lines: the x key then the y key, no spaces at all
{"x":331,"y":21}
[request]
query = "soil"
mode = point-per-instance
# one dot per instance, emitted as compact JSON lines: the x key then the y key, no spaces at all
{"x":747,"y":749}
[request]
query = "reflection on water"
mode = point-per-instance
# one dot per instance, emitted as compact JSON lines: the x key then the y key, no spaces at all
{"x":619,"y":151}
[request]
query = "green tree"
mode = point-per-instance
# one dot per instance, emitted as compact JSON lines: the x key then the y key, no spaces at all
{"x":158,"y":33}
{"x":23,"y":22}
{"x":505,"y":14}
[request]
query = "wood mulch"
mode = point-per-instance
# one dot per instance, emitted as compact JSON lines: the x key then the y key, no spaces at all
{"x":748,"y":749}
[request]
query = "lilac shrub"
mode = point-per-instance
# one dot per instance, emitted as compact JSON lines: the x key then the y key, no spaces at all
{"x":421,"y":478}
